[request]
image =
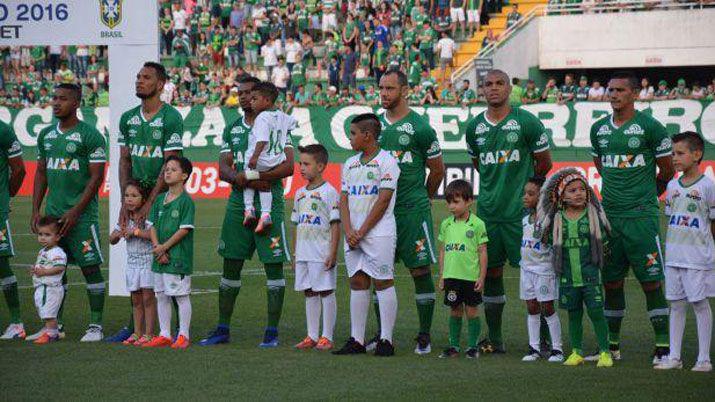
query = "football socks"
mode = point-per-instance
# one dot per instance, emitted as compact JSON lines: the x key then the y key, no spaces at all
{"x":615,"y":310}
{"x":228,"y":290}
{"x":330,"y":309}
{"x":474,"y":327}
{"x":8,"y":283}
{"x":455,"y":331}
{"x":658,"y":314}
{"x":95,"y":293}
{"x":388,"y":312}
{"x":425,"y":300}
{"x":494,"y":300}
{"x":275,"y":286}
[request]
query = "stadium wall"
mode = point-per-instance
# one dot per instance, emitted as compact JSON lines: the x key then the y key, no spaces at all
{"x":567,"y":125}
{"x":669,"y":38}
{"x":520,"y":52}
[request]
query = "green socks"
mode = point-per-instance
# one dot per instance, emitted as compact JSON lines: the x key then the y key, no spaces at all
{"x":576,"y":330}
{"x":425,"y":300}
{"x":455,"y":330}
{"x":474,"y":327}
{"x":228,"y":289}
{"x":615,"y":310}
{"x":276,"y":286}
{"x":494,"y":300}
{"x":8,"y":284}
{"x":95,"y":292}
{"x":658,"y":313}
{"x":600,"y":328}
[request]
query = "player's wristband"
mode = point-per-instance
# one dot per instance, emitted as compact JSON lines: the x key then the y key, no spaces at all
{"x":252,"y":174}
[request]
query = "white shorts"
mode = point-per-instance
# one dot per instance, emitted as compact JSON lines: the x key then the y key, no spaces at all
{"x":374,"y":256}
{"x":329,"y":22}
{"x":139,"y":278}
{"x":312,"y":275}
{"x":472,"y":15}
{"x":540,"y":287}
{"x":172,"y":285}
{"x":691,"y":284}
{"x":48,"y":300}
{"x":457,"y":14}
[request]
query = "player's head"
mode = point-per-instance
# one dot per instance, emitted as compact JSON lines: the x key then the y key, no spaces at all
{"x":264,"y":96}
{"x":364,"y":131}
{"x":532,"y":188}
{"x":245,"y":92}
{"x":134,"y":195}
{"x":313,"y":160}
{"x":150,"y":80}
{"x":393,"y":89}
{"x":688,"y":148}
{"x":460,"y":196}
{"x":48,"y":229}
{"x":66,"y":100}
{"x":622,"y":90}
{"x":573,"y":192}
{"x":497,"y":88}
{"x":177,"y":170}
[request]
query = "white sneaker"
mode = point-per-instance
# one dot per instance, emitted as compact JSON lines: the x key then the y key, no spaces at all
{"x":669,"y":364}
{"x":14,"y":331}
{"x":36,"y":335}
{"x":93,"y":334}
{"x":703,"y":367}
{"x":532,"y":356}
{"x":556,"y":356}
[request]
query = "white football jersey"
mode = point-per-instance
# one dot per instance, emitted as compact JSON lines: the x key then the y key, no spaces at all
{"x":313,"y":212}
{"x":690,"y":210}
{"x":46,"y":259}
{"x":362,"y":183}
{"x":273,"y":127}
{"x":535,"y":255}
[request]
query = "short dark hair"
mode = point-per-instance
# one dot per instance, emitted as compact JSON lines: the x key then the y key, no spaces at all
{"x":249,"y":79}
{"x":368,"y":122}
{"x":401,"y":77}
{"x":628,"y":76}
{"x":538,"y":181}
{"x":692,"y":139}
{"x":317,"y":151}
{"x":467,"y":81}
{"x":459,"y":188}
{"x":158,"y":68}
{"x":74,"y":88}
{"x":266,"y":89}
{"x":184,"y":163}
{"x":144,"y":191}
{"x":49,"y":220}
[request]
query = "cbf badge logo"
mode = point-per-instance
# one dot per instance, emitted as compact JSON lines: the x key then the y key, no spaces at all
{"x":452,"y":296}
{"x":110,"y":12}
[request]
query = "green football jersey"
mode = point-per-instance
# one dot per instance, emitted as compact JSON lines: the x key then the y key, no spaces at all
{"x":412,"y":141}
{"x":9,"y":148}
{"x":67,"y":156}
{"x":504,"y":153}
{"x":148,"y":140}
{"x":235,"y":141}
{"x":577,"y":268}
{"x":167,"y":219}
{"x":461,"y":241}
{"x":628,"y":154}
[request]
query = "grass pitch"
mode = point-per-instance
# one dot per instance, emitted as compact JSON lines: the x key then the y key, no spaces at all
{"x":68,"y":370}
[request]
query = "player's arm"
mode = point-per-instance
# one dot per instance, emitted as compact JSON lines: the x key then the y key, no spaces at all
{"x":334,"y":240}
{"x":377,"y":211}
{"x":125,"y":167}
{"x":172,"y":241}
{"x":542,"y":163}
{"x":226,"y":172}
{"x":436,"y":174}
{"x":665,"y":173}
{"x":70,"y":218}
{"x":39,"y":189}
{"x":479,"y":286}
{"x":17,"y":174}
{"x":661,"y":145}
{"x":256,"y":153}
{"x":440,"y":282}
{"x":56,"y":269}
{"x":160,"y":185}
{"x":350,"y":233}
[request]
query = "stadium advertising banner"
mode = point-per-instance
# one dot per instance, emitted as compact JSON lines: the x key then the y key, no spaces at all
{"x":568,"y":127}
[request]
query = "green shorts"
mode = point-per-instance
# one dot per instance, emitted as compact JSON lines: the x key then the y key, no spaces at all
{"x":6,"y":246}
{"x":573,"y":298}
{"x":239,"y":242}
{"x":634,"y":242}
{"x":504,"y":243}
{"x":415,"y":239}
{"x":82,"y":244}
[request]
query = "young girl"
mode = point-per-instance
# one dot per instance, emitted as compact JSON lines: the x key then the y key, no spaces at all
{"x":139,"y":278}
{"x":572,"y":220}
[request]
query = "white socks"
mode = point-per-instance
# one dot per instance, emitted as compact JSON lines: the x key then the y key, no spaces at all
{"x":248,"y":194}
{"x":184,"y":303}
{"x":359,"y":307}
{"x":330,"y":310}
{"x":555,"y":331}
{"x":163,"y":310}
{"x":312,"y":316}
{"x":533,"y":322}
{"x":677,"y":327}
{"x":704,"y":318}
{"x":266,"y":198}
{"x":388,"y":311}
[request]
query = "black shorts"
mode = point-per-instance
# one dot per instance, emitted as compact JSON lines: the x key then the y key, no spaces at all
{"x":458,"y":291}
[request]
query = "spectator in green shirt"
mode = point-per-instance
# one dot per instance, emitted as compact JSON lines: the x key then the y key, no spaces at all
{"x":517,"y":92}
{"x":531,"y":93}
{"x":166,"y":27}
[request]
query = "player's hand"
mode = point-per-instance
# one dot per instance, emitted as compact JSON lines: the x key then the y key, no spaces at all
{"x":68,"y":221}
{"x":159,"y":249}
{"x":240,"y":181}
{"x":260,"y":185}
{"x":440,"y":284}
{"x":479,"y":286}
{"x":33,"y":222}
{"x":163,"y":259}
{"x":252,"y":163}
{"x":35,"y":271}
{"x":330,"y":262}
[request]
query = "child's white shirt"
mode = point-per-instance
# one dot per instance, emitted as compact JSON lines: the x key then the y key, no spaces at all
{"x":313,"y":212}
{"x":535,"y":255}
{"x":49,"y":258}
{"x":274,"y":128}
{"x":690,"y":210}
